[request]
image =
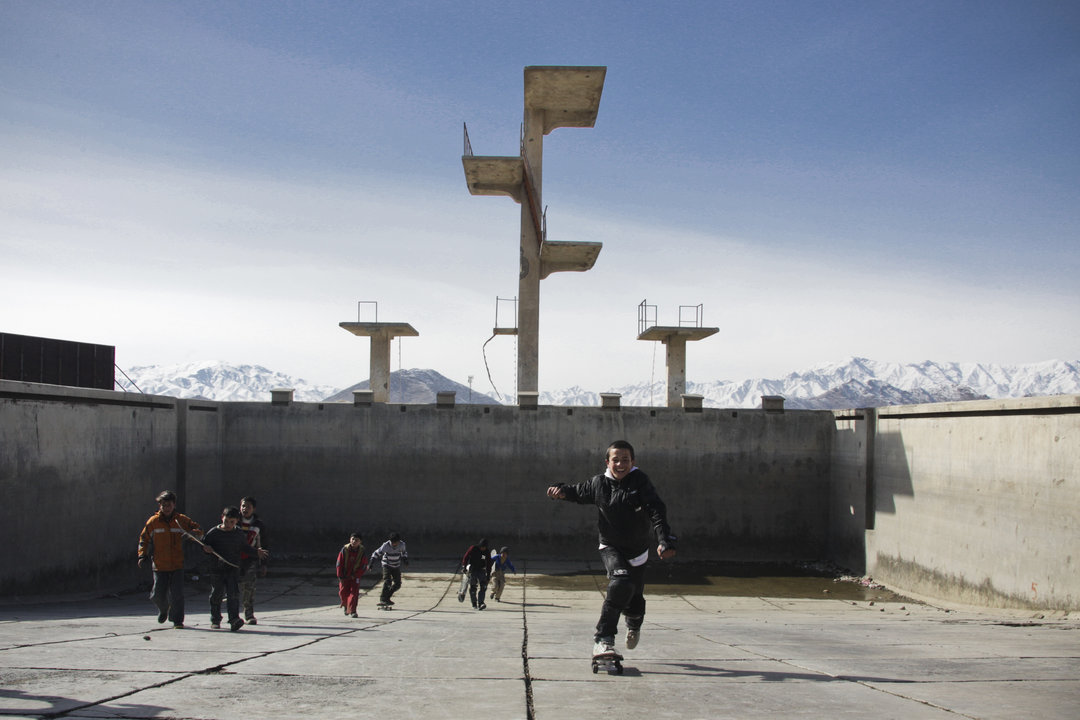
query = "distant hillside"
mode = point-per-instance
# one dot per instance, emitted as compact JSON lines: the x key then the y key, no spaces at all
{"x":419,"y":387}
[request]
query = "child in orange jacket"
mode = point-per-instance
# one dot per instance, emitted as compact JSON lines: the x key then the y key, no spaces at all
{"x":162,"y":540}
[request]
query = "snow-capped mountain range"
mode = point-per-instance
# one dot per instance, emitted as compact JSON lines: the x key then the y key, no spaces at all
{"x":215,"y":380}
{"x":859,"y":382}
{"x":854,"y":382}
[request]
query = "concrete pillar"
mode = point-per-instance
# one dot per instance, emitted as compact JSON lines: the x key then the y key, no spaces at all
{"x":528,"y":359}
{"x":676,"y":370}
{"x":363,"y":398}
{"x":445,"y":398}
{"x":379,"y":376}
{"x":528,"y":400}
{"x":281,"y":396}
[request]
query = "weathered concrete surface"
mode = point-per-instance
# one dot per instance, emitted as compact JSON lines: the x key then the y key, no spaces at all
{"x":979,"y":502}
{"x":965,"y":502}
{"x":701,"y":656}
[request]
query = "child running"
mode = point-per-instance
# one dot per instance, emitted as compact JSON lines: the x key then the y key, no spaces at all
{"x":500,"y":561}
{"x":352,"y":563}
{"x":227,"y":543}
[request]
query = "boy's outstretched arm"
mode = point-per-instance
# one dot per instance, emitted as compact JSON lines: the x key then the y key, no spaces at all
{"x":556,"y":492}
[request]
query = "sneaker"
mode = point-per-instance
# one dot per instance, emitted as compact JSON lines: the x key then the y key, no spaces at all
{"x":354,"y":615}
{"x":215,"y":625}
{"x":236,"y":624}
{"x":632,"y":637}
{"x":178,"y":626}
{"x":161,"y":616}
{"x":251,"y":621}
{"x":604,"y":646}
{"x":482,"y":606}
{"x":461,"y":597}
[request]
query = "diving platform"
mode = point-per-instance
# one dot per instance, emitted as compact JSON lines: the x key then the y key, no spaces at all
{"x":381,"y":333}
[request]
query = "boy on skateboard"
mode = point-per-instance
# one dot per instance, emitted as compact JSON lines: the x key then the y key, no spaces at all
{"x":392,"y":554}
{"x":631,"y":517}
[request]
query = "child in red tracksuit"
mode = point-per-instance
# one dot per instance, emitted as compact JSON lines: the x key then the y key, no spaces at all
{"x":351,"y":566}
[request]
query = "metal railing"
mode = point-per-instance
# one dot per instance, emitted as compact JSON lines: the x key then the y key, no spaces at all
{"x":695,"y":311}
{"x":646,"y":316}
{"x":689,"y":316}
{"x":513,"y":303}
{"x":360,"y":310}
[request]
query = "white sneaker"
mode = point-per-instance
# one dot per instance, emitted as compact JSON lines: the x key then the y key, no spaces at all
{"x":632,"y":637}
{"x":604,"y":646}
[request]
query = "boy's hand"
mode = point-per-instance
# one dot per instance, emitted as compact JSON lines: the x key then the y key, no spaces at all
{"x":207,"y":549}
{"x":556,"y":493}
{"x":665,"y":552}
{"x":263,"y":554}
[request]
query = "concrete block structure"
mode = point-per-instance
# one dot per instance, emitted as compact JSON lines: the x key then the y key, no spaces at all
{"x":975,"y":502}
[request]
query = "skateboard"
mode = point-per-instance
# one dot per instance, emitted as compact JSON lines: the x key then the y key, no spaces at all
{"x":464,"y":586}
{"x":611,"y":662}
{"x":385,"y":606}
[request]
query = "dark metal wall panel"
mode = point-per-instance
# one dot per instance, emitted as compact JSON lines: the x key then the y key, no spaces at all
{"x":56,"y":362}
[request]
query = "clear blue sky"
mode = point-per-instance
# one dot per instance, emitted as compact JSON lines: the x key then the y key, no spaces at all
{"x":201,"y":180}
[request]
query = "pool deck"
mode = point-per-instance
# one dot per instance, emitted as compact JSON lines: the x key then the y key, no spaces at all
{"x":700,"y":656}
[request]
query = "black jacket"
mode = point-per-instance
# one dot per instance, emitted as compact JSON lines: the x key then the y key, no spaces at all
{"x":632,"y":518}
{"x":477,"y":559}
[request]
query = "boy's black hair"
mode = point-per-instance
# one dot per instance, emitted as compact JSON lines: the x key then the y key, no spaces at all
{"x":231,"y":512}
{"x":356,"y":535}
{"x":619,"y":445}
{"x":165,"y":496}
{"x":394,"y":537}
{"x":249,"y":500}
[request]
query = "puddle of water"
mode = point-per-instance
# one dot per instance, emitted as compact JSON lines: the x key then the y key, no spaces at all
{"x":732,"y":580}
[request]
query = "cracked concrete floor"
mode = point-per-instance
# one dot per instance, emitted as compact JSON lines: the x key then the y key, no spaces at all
{"x":702,"y":655}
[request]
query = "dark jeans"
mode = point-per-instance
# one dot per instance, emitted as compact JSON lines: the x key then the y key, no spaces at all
{"x":625,"y":594}
{"x":168,"y":594}
{"x":391,"y":582}
{"x":480,"y":579}
{"x":225,"y":582}
{"x":247,"y":588}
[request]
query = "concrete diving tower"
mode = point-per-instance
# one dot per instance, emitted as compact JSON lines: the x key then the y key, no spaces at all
{"x":381,"y":333}
{"x":674,"y":338}
{"x":554,"y":97}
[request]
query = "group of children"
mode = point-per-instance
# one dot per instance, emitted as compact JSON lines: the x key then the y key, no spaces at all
{"x":631,"y":517}
{"x":238,"y":547}
{"x":477,"y":567}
